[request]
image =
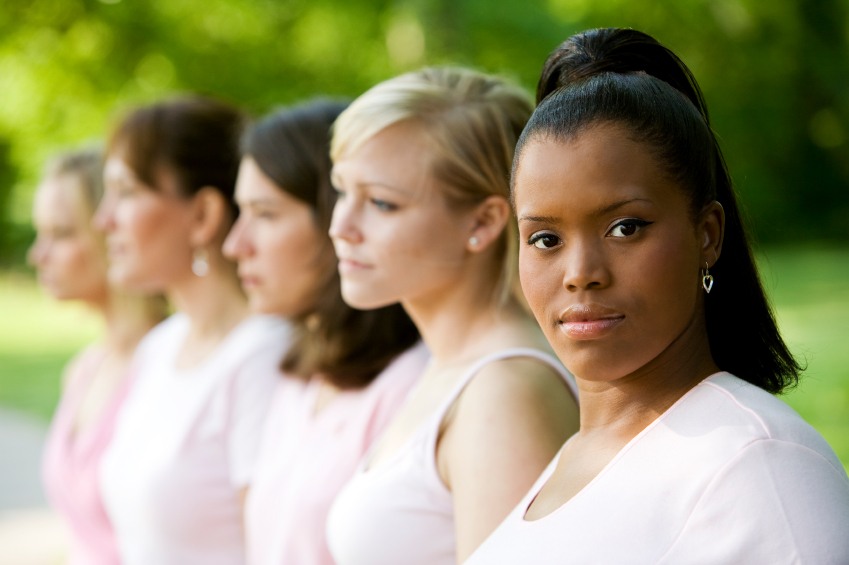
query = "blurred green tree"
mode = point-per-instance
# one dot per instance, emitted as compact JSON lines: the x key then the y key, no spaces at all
{"x":773,"y":71}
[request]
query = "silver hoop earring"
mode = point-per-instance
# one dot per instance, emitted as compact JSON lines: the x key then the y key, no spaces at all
{"x":200,"y":262}
{"x":707,"y":279}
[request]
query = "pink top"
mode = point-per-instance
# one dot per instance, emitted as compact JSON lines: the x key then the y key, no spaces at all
{"x":401,"y":511}
{"x":70,"y":462}
{"x":729,"y":474}
{"x":185,"y":445}
{"x":305,"y":459}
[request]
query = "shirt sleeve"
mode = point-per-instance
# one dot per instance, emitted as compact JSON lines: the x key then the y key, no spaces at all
{"x":776,"y":502}
{"x":250,"y":398}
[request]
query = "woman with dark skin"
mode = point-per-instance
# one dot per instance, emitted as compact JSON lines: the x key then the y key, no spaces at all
{"x":635,"y":262}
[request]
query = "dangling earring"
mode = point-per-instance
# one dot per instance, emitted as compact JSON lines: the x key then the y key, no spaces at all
{"x":200,"y":262}
{"x":707,"y":279}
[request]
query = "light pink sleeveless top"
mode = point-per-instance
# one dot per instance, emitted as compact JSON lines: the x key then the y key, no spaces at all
{"x":306,"y":458}
{"x":401,"y":511}
{"x":70,"y":463}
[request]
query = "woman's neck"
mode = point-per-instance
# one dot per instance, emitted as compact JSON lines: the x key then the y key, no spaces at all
{"x":127,"y":319}
{"x":627,"y":405}
{"x":461,"y":328}
{"x":214,"y":304}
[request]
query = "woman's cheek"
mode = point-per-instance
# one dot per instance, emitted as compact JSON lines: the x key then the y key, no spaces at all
{"x":538,"y":284}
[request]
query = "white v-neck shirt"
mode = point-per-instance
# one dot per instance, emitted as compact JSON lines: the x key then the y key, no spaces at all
{"x":729,"y":474}
{"x":185,"y":444}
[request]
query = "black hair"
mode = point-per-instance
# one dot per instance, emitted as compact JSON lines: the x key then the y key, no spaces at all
{"x":625,"y":77}
{"x":348,"y":347}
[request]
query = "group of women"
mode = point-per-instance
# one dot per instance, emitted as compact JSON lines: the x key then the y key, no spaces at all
{"x":350,"y":370}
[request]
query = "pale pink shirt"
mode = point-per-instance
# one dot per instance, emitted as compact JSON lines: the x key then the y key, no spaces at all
{"x":306,"y":457}
{"x":729,"y":474}
{"x":70,"y":462}
{"x":186,"y":442}
{"x":401,"y":512}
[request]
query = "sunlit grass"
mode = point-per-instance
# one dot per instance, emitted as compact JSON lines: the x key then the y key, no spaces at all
{"x":37,"y":337}
{"x":809,"y":288}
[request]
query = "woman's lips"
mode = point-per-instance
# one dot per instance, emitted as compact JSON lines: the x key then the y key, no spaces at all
{"x":585,"y":322}
{"x":249,"y":282}
{"x":351,"y":266}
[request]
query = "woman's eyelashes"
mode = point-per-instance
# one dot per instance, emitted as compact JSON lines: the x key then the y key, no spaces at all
{"x":627,"y":227}
{"x":266,"y":214}
{"x":383,"y":205}
{"x":622,"y":229}
{"x":543,"y":240}
{"x":123,"y":188}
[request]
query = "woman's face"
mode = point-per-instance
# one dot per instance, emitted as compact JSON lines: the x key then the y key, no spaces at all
{"x":147,"y":230}
{"x":67,"y":252}
{"x":282,"y":254}
{"x":396,"y":237}
{"x":609,"y":253}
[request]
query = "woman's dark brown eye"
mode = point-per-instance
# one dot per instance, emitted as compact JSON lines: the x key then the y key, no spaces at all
{"x":542,"y":240}
{"x":627,"y":228}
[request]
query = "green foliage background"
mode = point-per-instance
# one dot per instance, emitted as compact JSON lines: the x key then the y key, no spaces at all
{"x":774,"y":73}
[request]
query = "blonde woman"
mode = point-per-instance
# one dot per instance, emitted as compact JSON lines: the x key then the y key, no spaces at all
{"x":346,"y":372}
{"x":421,"y":167}
{"x":70,"y":257}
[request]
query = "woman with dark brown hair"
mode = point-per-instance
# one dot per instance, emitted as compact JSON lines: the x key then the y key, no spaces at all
{"x":181,"y":461}
{"x":347,"y":370}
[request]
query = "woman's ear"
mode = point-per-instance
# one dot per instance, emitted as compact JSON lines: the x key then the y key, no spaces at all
{"x":712,"y":228}
{"x":490,"y":217}
{"x":210,"y":214}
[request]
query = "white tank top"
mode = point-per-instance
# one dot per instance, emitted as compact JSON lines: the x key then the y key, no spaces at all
{"x":401,"y":511}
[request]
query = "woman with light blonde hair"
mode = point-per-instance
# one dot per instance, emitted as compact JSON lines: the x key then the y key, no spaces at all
{"x":421,"y":168}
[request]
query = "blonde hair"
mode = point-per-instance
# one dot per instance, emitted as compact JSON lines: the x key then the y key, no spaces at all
{"x":86,"y":166}
{"x":472,"y":121}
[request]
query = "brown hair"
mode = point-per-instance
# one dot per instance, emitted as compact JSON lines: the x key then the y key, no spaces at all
{"x":347,"y":347}
{"x":194,"y":137}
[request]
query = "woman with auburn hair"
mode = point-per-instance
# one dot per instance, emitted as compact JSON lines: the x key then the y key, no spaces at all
{"x":70,"y":257}
{"x":635,"y":262}
{"x":421,"y":164}
{"x":182,"y":459}
{"x":346,"y":372}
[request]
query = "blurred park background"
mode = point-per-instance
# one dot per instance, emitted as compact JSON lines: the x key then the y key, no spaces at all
{"x":775,"y":74}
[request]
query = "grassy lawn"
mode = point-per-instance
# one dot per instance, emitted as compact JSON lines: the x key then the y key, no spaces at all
{"x":809,"y":287}
{"x":810,"y":291}
{"x":37,"y":337}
